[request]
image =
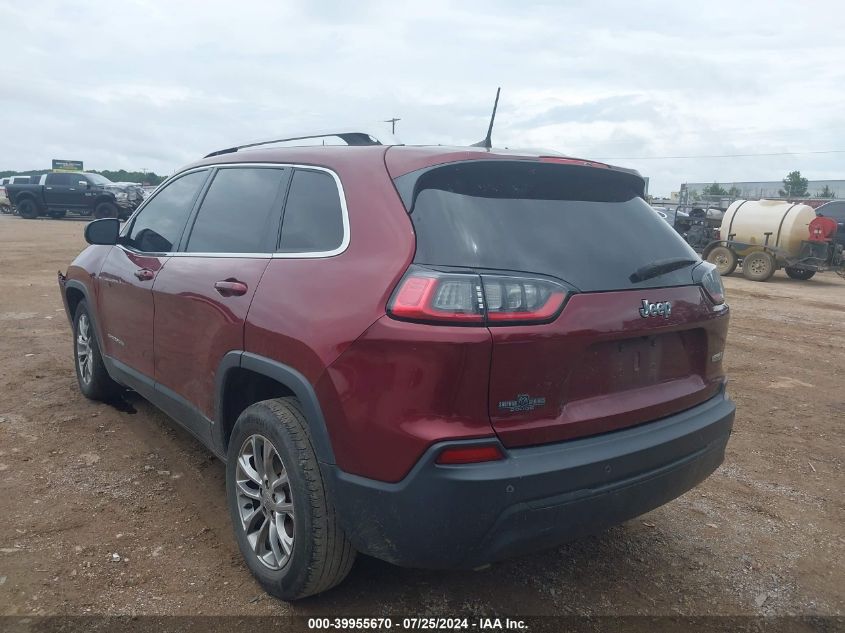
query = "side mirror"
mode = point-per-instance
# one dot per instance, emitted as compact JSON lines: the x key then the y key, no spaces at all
{"x":83,"y":183}
{"x":104,"y":232}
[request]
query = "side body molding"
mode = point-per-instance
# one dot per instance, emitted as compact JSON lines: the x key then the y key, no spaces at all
{"x":211,"y":432}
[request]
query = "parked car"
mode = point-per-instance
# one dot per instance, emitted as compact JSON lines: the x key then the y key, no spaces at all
{"x":440,"y":357}
{"x":58,"y":193}
{"x":662,"y":212}
{"x":19,"y":180}
{"x":5,"y":203}
{"x":836,"y":210}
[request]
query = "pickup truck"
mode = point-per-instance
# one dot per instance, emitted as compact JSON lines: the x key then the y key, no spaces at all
{"x":86,"y":194}
{"x":5,"y":207}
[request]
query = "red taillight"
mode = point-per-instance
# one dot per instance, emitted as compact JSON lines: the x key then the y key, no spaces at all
{"x":433,"y":296}
{"x":470,"y":454}
{"x":430,"y":296}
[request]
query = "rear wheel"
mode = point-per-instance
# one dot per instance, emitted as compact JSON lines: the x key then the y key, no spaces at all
{"x":724,"y":259}
{"x":105,"y":210}
{"x":800,"y":273}
{"x":27,"y":209}
{"x":284,"y":523}
{"x":758,"y":266}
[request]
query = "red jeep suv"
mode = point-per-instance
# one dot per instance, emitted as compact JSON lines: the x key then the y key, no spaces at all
{"x":440,"y":357}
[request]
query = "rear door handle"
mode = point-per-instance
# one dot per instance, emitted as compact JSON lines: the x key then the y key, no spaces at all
{"x":230,"y":287}
{"x":144,"y":274}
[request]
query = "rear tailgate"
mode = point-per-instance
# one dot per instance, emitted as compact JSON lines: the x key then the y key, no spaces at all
{"x":601,"y":366}
{"x":627,"y":346}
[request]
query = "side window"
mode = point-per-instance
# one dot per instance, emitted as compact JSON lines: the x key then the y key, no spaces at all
{"x":313,"y":219}
{"x":240,"y":212}
{"x":58,"y":180}
{"x":157,"y":228}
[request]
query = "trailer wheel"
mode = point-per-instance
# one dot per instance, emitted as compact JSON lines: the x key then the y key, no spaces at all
{"x":799,"y":273}
{"x":758,"y":266}
{"x":724,"y":259}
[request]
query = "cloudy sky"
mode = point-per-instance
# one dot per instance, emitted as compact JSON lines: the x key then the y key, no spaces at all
{"x":155,"y":84}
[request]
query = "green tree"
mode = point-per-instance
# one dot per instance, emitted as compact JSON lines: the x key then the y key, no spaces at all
{"x":734,"y":192}
{"x":714,"y":190}
{"x":794,"y":186}
{"x":121,"y":175}
{"x":826,"y":193}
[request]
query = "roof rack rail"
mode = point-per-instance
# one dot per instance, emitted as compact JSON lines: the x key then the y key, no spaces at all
{"x":349,"y":137}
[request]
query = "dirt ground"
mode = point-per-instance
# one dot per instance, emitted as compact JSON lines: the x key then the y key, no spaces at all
{"x":81,"y":482}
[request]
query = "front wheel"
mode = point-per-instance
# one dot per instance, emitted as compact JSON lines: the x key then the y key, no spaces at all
{"x":284,"y":523}
{"x":799,"y":273}
{"x":758,"y":266}
{"x":94,"y":381}
{"x":105,"y":210}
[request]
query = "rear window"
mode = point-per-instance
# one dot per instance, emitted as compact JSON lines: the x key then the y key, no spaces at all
{"x":313,"y":218}
{"x":57,"y":179}
{"x":586,"y":226}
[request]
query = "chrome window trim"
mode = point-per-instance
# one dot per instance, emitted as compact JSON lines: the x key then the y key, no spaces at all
{"x":344,"y":213}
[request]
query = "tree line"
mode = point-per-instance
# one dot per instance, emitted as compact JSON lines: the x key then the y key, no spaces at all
{"x":794,"y":186}
{"x":121,"y":175}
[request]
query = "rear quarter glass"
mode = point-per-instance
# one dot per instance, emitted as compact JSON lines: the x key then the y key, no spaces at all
{"x":589,"y":227}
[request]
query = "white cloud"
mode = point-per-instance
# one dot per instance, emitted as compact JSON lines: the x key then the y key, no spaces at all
{"x":157,"y":84}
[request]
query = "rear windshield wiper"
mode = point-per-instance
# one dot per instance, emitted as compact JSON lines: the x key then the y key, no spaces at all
{"x":660,"y":267}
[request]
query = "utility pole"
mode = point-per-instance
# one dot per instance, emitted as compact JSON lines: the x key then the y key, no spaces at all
{"x":392,"y":124}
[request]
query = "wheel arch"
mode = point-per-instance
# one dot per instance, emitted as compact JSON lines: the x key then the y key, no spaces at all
{"x":104,"y":198}
{"x":75,"y":292}
{"x":244,"y":378}
{"x":24,"y":195}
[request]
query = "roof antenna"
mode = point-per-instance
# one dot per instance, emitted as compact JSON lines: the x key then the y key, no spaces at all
{"x":488,"y":140}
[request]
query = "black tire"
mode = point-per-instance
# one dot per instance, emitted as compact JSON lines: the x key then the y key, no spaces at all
{"x":58,"y":215}
{"x":320,"y":555}
{"x":27,"y":209}
{"x":801,"y":274}
{"x":94,"y":381}
{"x":105,"y":210}
{"x":724,"y":259}
{"x":758,"y":266}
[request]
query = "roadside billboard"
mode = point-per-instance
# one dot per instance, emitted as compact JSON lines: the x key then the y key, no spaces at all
{"x":67,"y":165}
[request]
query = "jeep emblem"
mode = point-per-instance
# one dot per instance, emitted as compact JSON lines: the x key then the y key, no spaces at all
{"x":661,"y":308}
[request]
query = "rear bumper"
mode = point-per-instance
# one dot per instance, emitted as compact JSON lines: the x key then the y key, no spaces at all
{"x":464,"y":516}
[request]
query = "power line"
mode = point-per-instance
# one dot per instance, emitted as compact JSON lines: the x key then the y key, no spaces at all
{"x":825,"y":151}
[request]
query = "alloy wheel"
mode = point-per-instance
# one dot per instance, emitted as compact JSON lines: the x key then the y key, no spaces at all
{"x":265,"y":501}
{"x":84,"y":360}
